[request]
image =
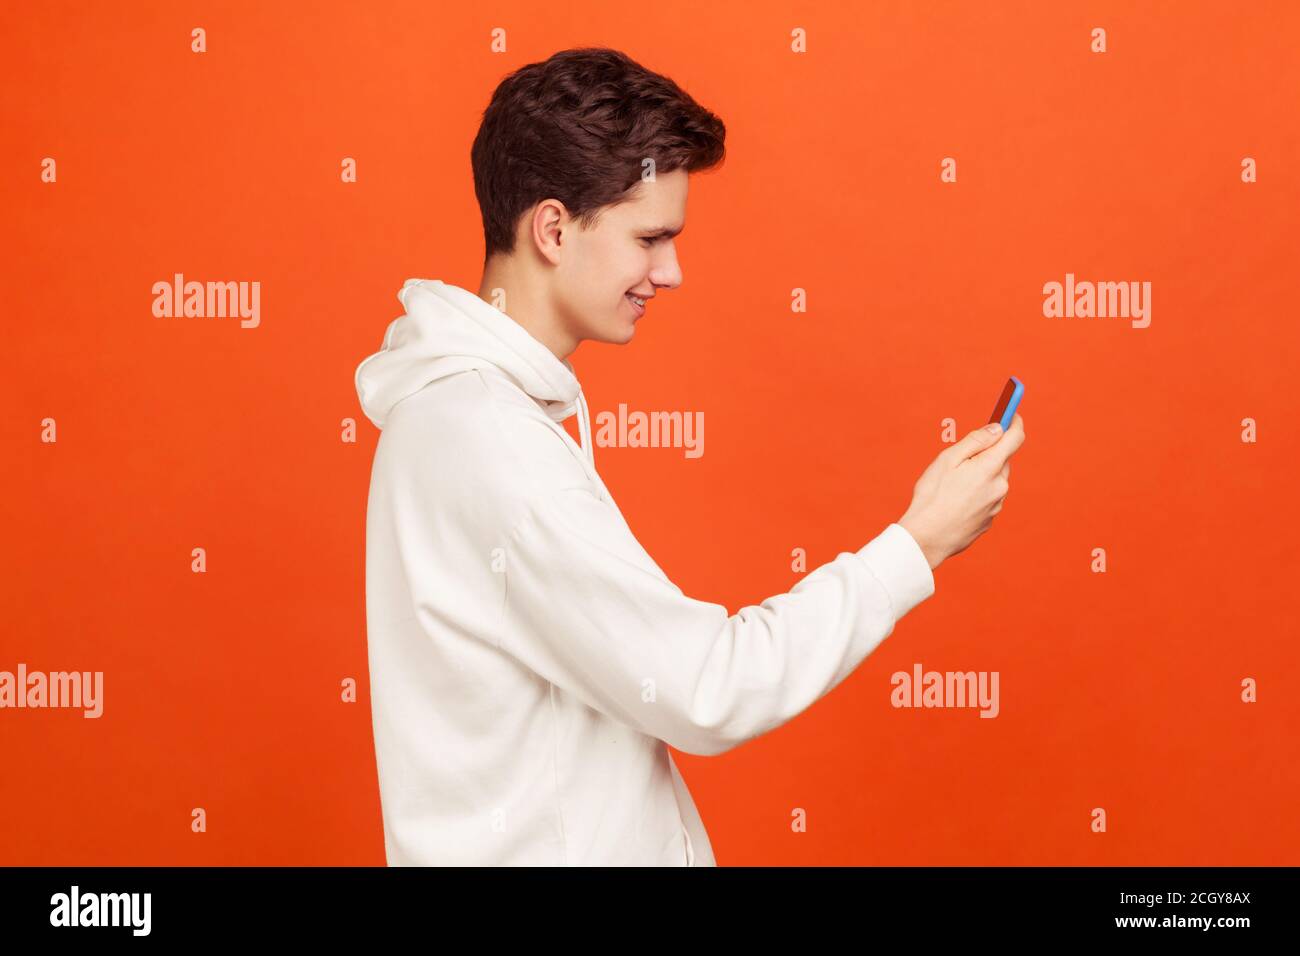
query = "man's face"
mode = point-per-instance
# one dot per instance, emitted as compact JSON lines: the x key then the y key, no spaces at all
{"x":628,"y":252}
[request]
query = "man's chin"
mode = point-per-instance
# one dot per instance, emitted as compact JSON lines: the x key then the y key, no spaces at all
{"x":618,"y":335}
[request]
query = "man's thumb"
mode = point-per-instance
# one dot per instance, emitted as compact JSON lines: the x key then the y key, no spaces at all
{"x":973,"y":444}
{"x":977,"y":441}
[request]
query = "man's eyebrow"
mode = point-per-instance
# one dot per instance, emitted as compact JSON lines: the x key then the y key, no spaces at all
{"x":665,"y":233}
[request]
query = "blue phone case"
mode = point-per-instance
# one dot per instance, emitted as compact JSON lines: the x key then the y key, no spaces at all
{"x":1012,"y":403}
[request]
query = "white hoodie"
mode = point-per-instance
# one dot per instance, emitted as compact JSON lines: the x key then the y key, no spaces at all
{"x":529,"y":661}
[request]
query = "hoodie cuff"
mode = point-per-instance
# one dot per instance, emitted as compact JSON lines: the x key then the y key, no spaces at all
{"x":898,"y":563}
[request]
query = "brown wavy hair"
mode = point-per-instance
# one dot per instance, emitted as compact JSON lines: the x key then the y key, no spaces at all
{"x":576,"y":127}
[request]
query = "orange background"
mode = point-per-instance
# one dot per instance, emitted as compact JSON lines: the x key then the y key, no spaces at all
{"x":1118,"y":690}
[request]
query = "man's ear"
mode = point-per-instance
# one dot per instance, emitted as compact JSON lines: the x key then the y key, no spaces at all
{"x":549,"y":221}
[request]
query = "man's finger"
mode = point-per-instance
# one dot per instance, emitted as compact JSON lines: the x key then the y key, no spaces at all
{"x":994,"y":458}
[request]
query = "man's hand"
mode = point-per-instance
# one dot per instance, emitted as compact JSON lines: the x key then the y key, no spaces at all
{"x":956,"y":497}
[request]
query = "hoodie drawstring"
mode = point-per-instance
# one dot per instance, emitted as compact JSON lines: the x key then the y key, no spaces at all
{"x":584,"y":429}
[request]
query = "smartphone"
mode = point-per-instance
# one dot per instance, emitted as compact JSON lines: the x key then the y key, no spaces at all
{"x":1005,"y":410}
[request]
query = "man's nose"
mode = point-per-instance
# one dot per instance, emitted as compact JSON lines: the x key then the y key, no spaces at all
{"x":667,"y":274}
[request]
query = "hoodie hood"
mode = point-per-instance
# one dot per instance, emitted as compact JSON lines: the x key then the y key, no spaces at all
{"x":447,"y":329}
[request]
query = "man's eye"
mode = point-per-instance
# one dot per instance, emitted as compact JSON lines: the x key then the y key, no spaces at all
{"x":647,"y":242}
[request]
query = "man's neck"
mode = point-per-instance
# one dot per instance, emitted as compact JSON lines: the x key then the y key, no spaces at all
{"x":523,"y":298}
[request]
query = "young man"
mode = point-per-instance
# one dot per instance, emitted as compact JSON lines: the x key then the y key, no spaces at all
{"x":530,"y":663}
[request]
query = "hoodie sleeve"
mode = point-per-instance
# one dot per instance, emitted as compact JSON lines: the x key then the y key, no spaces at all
{"x":586,"y":608}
